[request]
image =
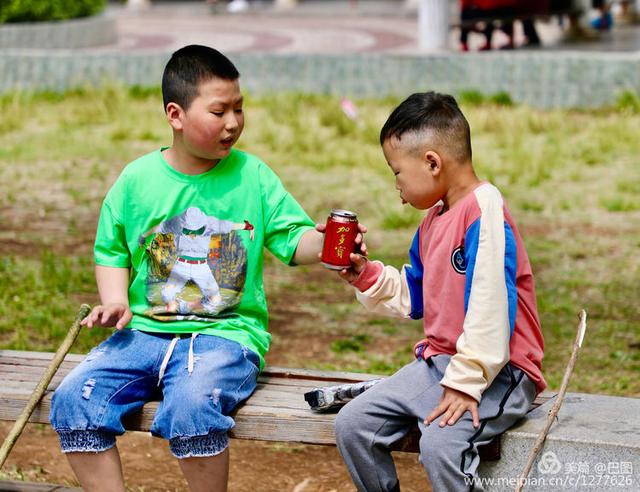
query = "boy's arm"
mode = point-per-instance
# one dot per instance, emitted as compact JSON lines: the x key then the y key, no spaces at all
{"x":382,"y":289}
{"x":385,"y":290}
{"x":113,"y":287}
{"x":309,"y":247}
{"x":482,"y":350}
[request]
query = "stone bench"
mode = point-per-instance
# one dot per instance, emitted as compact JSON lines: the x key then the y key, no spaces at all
{"x":594,"y":445}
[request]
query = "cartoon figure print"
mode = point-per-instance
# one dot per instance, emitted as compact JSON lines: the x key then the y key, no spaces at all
{"x":190,"y":257}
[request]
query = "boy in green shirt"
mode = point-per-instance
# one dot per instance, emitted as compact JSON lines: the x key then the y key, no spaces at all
{"x":179,"y":259}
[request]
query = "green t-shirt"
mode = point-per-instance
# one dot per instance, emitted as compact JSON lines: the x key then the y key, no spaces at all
{"x":194,"y":244}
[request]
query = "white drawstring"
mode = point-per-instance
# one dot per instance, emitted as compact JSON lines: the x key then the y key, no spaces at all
{"x":190,"y":364}
{"x":167,"y":356}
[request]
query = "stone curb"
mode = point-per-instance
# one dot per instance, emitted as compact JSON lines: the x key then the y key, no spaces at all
{"x":546,"y":80}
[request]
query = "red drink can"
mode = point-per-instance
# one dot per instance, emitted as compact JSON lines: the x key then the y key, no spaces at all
{"x":339,"y":239}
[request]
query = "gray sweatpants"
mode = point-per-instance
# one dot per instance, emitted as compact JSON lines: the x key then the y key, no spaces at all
{"x":367,"y":426}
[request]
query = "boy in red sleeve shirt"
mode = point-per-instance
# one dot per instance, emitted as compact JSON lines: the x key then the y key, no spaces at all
{"x":479,"y":366}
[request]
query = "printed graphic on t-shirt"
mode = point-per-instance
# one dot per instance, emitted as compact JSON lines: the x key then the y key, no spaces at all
{"x":197,"y":267}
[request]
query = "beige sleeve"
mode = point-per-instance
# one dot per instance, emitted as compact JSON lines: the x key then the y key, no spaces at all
{"x":389,"y":295}
{"x":483,"y":348}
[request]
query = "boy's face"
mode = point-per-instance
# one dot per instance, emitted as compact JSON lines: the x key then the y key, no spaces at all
{"x":416,"y":174}
{"x":214,"y":121}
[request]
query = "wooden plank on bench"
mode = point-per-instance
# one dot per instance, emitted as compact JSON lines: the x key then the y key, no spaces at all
{"x":19,"y":486}
{"x":276,"y":411}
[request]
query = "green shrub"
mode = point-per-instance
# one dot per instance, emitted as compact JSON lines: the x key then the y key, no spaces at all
{"x":501,"y":98}
{"x":471,"y":98}
{"x":629,"y":101}
{"x":477,"y":98}
{"x":45,"y":10}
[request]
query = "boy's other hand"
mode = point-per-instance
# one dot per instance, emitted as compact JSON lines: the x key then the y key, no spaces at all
{"x":452,"y":406}
{"x":114,"y":314}
{"x":361,"y":247}
{"x":358,"y":262}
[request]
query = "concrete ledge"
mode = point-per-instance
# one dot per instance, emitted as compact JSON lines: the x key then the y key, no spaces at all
{"x":594,"y":445}
{"x":557,"y":79}
{"x":69,"y":34}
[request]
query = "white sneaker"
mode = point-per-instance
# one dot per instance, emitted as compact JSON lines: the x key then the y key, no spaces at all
{"x":236,"y":6}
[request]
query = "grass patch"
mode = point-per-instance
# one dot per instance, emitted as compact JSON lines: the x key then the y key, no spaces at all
{"x":401,"y":219}
{"x":39,"y":298}
{"x":477,"y":98}
{"x":621,"y":203}
{"x":570,"y":178}
{"x":355,"y":343}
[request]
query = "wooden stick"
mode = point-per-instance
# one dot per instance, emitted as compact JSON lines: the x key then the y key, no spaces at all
{"x":537,"y":447}
{"x":50,"y":371}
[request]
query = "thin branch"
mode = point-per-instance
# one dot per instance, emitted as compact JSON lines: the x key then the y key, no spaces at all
{"x":50,"y":371}
{"x":537,"y":447}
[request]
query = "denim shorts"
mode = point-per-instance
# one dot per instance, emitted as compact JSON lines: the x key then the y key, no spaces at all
{"x":123,"y":373}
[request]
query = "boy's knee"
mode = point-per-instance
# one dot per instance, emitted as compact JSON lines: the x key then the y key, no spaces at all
{"x":349,"y":422}
{"x":343,"y":420}
{"x":76,"y":423}
{"x":432,"y":451}
{"x":191,"y":420}
{"x":439,"y":447}
{"x":78,"y":404}
{"x":65,"y":399}
{"x":186,"y":402}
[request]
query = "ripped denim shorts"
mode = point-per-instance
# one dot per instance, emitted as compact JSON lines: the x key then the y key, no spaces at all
{"x":199,"y":379}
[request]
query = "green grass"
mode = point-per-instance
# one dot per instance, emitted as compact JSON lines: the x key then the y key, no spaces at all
{"x":355,"y":343}
{"x":571,"y":179}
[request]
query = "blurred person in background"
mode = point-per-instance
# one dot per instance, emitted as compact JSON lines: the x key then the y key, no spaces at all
{"x":487,"y":12}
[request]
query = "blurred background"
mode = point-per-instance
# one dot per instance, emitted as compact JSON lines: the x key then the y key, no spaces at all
{"x":551,"y":90}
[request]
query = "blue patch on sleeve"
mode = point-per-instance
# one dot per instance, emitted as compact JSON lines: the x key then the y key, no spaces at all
{"x":471,"y":239}
{"x":414,"y":274}
{"x":510,"y":267}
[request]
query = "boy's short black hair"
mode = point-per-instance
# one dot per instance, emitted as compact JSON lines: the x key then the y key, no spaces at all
{"x":439,"y":113}
{"x":188,"y":67}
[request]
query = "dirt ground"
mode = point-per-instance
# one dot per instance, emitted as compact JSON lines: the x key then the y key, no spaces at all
{"x":255,"y":466}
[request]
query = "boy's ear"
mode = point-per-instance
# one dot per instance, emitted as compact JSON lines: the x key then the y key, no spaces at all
{"x":433,"y":160}
{"x":174,"y":115}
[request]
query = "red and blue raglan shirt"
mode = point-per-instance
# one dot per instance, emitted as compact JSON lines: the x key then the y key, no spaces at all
{"x":471,"y":282}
